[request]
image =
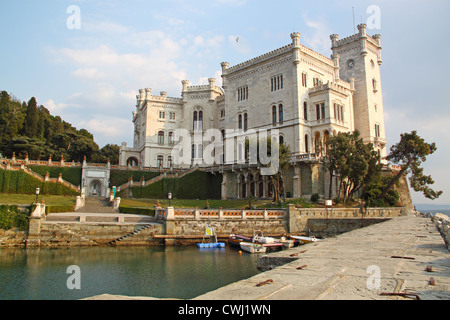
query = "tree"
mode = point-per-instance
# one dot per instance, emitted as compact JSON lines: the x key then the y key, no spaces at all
{"x":409,"y":154}
{"x":355,"y":163}
{"x":284,"y":157}
{"x":110,"y":152}
{"x":31,"y":119}
{"x":12,"y":114}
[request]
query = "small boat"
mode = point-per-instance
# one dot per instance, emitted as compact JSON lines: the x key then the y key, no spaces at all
{"x":258,"y":237}
{"x":211,"y":245}
{"x":209,"y":232}
{"x":304,"y":240}
{"x":252,"y":247}
{"x":235,"y":240}
{"x":288,"y":243}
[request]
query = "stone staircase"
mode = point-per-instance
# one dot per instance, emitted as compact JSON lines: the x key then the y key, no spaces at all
{"x":131,"y":234}
{"x":96,"y":205}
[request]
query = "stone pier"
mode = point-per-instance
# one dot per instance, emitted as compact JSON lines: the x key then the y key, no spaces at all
{"x":404,"y":258}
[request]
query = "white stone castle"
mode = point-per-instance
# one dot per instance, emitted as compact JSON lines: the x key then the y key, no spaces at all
{"x":306,"y":96}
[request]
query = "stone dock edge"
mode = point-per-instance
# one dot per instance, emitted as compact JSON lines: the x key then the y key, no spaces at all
{"x":404,"y":258}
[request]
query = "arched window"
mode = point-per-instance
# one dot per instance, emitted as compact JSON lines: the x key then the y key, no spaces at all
{"x":274,"y":115}
{"x":160,"y":161}
{"x":281,"y":140}
{"x":193,"y":151}
{"x":280,"y":113}
{"x":198,"y":121}
{"x":171,"y":142}
{"x":161,"y":137}
{"x":240,"y":121}
{"x":245,"y":121}
{"x":306,"y":143}
{"x":194,"y":126}
{"x":305,"y":110}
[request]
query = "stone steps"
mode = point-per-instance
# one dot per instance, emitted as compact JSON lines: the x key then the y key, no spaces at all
{"x":97,"y":205}
{"x":131,"y":234}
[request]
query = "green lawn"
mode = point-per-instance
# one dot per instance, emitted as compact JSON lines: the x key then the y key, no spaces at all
{"x":28,"y":199}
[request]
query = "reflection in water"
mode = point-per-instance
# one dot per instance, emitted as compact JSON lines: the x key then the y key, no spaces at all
{"x":171,"y":272}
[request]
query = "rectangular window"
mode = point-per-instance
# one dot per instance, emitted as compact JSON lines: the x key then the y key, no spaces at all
{"x":318,"y":111}
{"x":172,"y":115}
{"x":276,"y":83}
{"x":304,"y":81}
{"x":377,"y":130}
{"x":322,"y":107}
{"x":162,"y":114}
{"x":242,"y":93}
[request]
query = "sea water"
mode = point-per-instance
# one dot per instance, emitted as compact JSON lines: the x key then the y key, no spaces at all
{"x":170,"y":272}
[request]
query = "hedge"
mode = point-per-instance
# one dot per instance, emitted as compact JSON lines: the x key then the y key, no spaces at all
{"x":22,"y":183}
{"x":11,"y":217}
{"x":120,"y":177}
{"x":196,"y":185}
{"x":133,"y":210}
{"x":72,"y":175}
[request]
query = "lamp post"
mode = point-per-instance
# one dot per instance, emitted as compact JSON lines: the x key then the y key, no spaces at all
{"x":37,"y":194}
{"x":169,"y":196}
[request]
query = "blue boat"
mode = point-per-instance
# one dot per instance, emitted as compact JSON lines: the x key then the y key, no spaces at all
{"x":212,"y":243}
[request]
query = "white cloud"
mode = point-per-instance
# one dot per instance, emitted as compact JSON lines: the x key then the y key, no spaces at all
{"x":89,"y":73}
{"x":319,"y":39}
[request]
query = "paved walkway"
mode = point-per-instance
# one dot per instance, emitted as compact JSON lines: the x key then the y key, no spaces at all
{"x":97,"y":205}
{"x":347,"y":267}
{"x":97,"y":210}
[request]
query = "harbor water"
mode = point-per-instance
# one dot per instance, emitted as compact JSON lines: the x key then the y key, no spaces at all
{"x":170,"y":272}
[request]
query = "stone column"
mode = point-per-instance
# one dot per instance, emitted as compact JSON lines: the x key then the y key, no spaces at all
{"x":297,"y":182}
{"x":34,"y":226}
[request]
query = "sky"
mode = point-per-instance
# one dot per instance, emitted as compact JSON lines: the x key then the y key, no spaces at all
{"x":85,"y":60}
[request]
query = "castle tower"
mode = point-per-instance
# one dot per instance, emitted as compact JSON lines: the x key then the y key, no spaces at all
{"x":360,"y":60}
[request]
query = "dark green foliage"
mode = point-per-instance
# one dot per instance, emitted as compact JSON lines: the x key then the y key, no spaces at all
{"x":11,"y":217}
{"x":374,"y":190}
{"x":197,"y":185}
{"x":23,"y":183}
{"x":409,"y":154}
{"x":120,"y":177}
{"x":29,"y":129}
{"x":132,"y":210}
{"x":315,"y":198}
{"x":355,"y":163}
{"x":71,"y":175}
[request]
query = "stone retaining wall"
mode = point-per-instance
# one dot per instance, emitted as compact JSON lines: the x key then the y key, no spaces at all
{"x":332,"y":221}
{"x":91,"y":234}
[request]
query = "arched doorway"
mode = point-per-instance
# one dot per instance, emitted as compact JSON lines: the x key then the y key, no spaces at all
{"x":95,"y":188}
{"x":132,"y":161}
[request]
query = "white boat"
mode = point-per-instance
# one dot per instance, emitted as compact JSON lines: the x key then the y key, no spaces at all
{"x":288,"y":243}
{"x":258,"y":237}
{"x":304,"y":239}
{"x":252,"y":247}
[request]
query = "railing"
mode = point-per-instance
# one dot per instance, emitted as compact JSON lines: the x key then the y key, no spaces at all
{"x":221,"y":214}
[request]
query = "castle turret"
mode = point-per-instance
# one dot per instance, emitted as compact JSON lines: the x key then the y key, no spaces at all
{"x":295,"y":36}
{"x":357,"y":59}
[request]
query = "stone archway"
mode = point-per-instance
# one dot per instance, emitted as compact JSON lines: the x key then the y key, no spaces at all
{"x":132,"y":161}
{"x":95,"y":188}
